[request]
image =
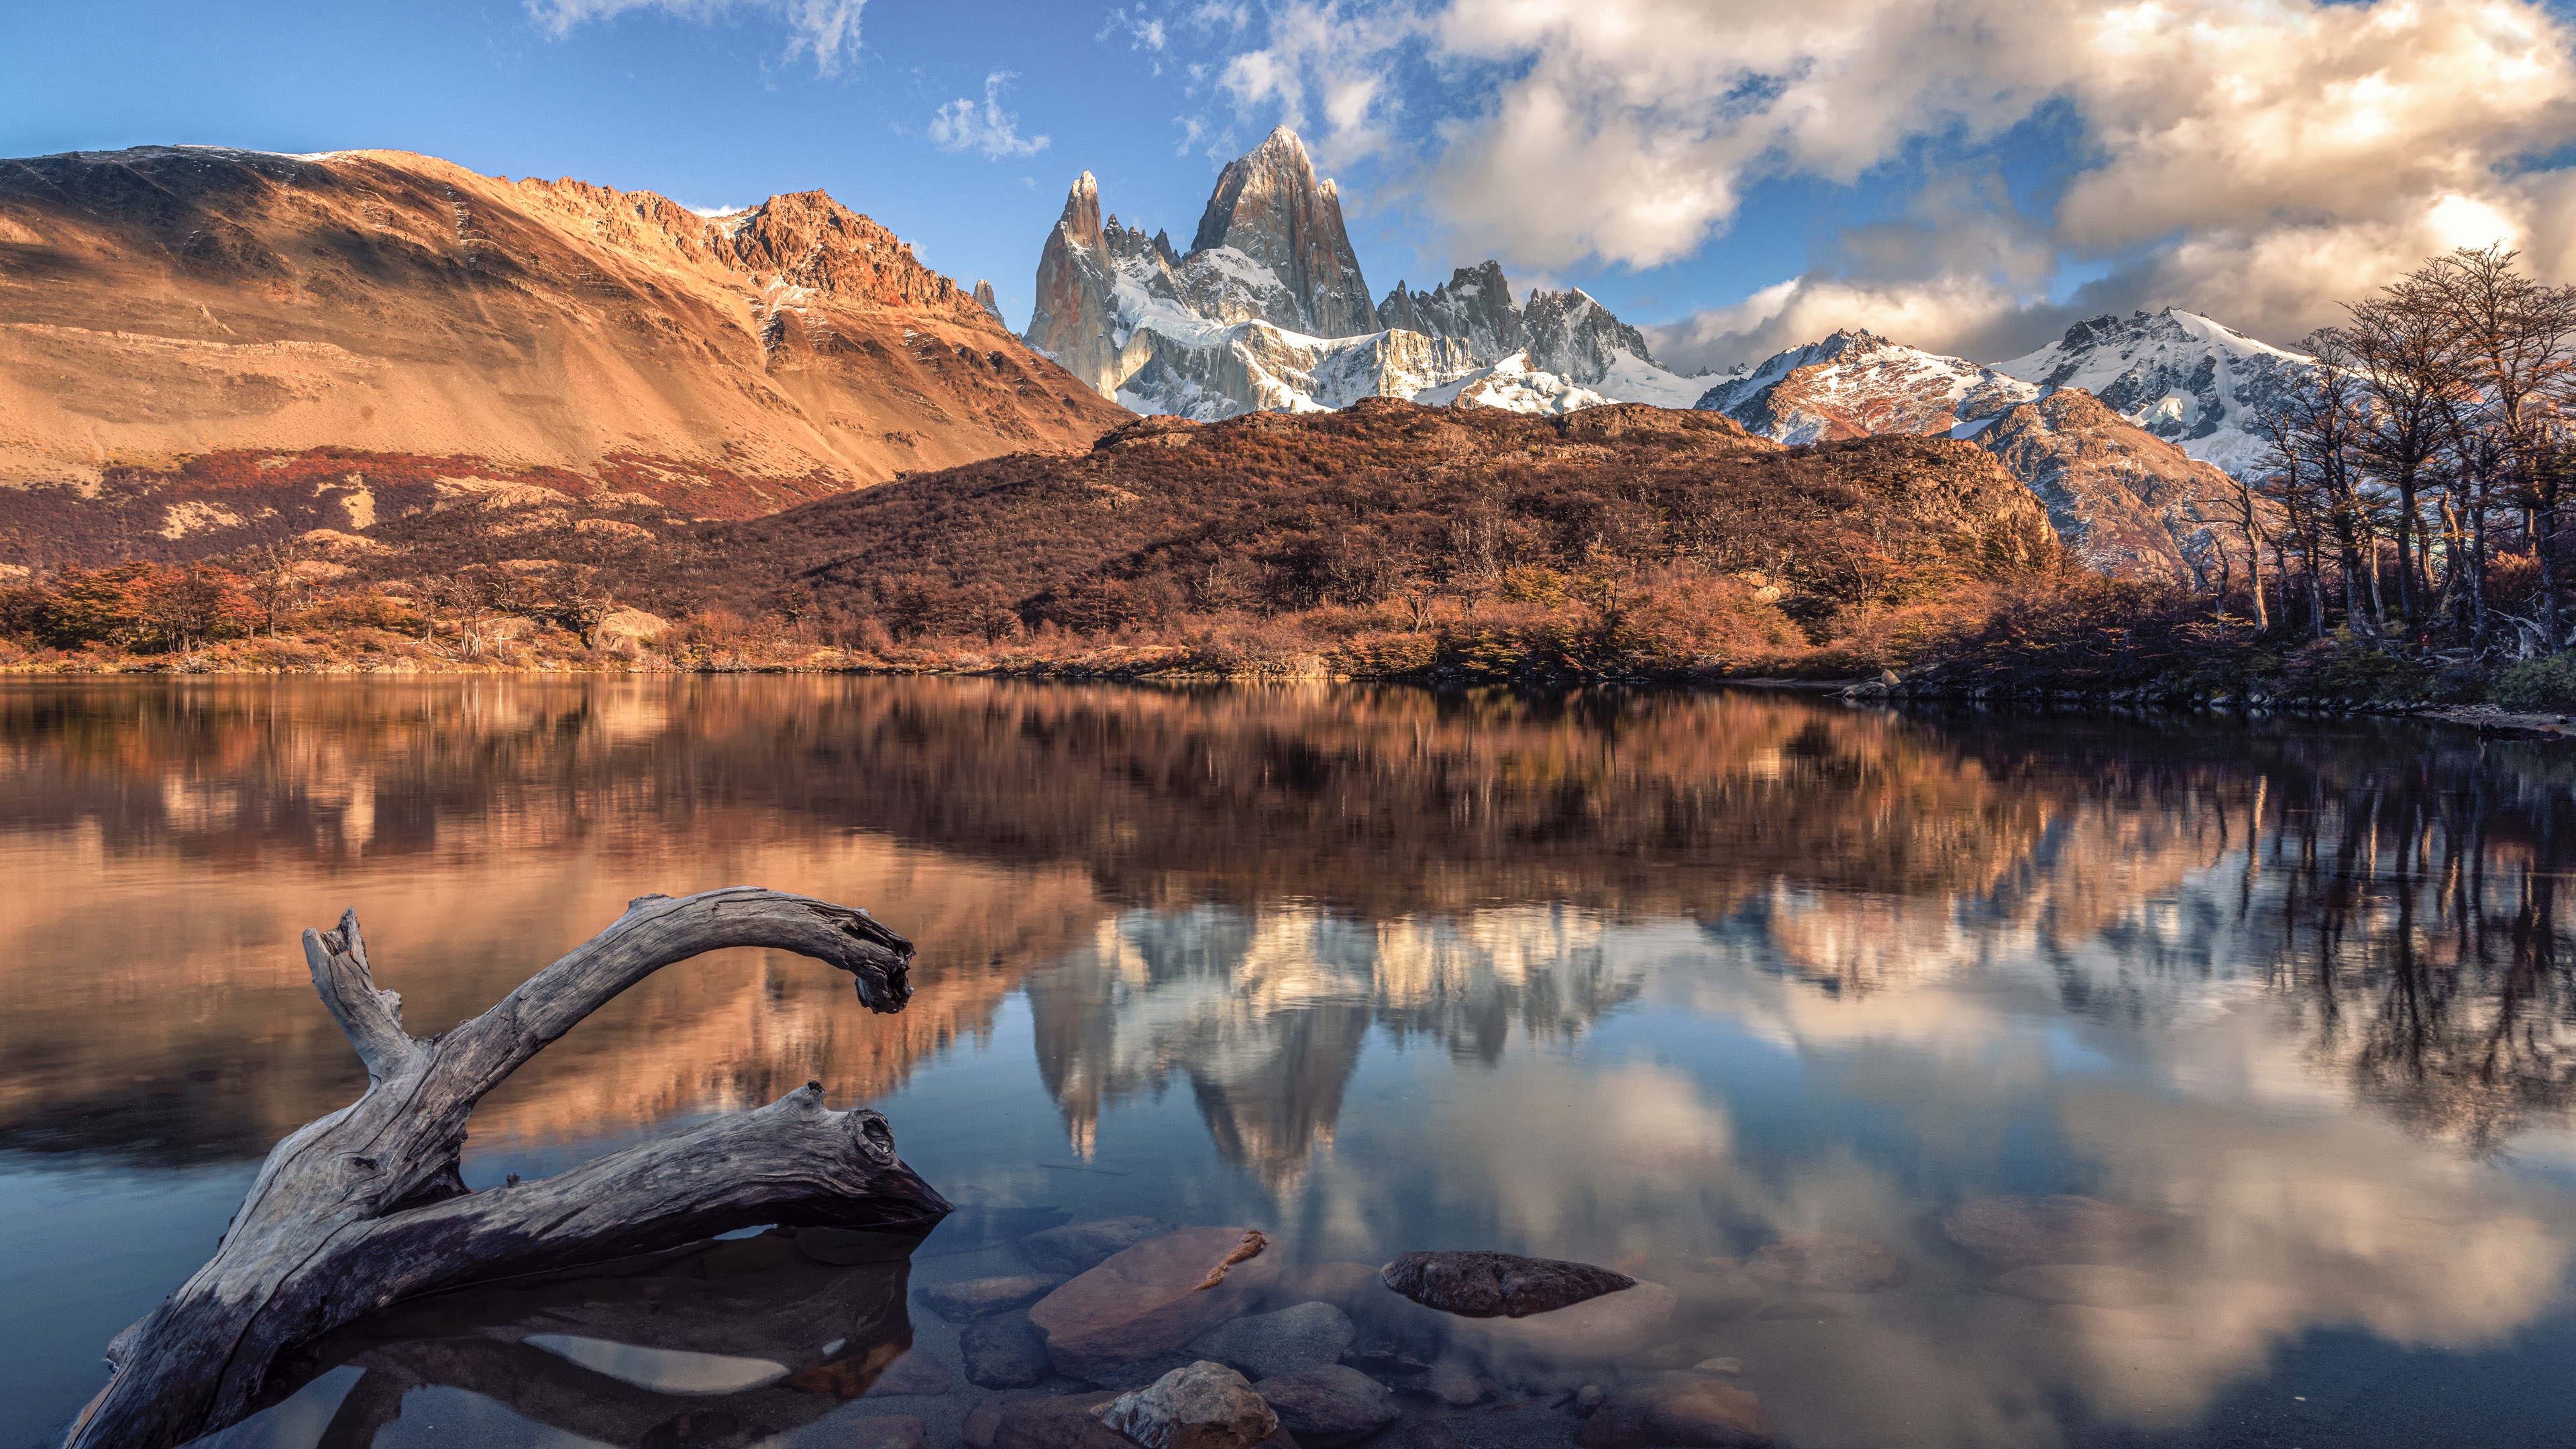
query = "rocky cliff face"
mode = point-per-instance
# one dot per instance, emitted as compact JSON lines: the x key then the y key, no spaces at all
{"x":1475,"y":306}
{"x":165,"y":302}
{"x":1577,"y":338}
{"x":1076,"y":311}
{"x":985,"y":299}
{"x":2121,"y":498}
{"x":1208,"y":379}
{"x":1269,"y":208}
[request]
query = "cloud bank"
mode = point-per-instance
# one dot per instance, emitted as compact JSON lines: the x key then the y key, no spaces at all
{"x":961,"y":125}
{"x":2258,"y":160}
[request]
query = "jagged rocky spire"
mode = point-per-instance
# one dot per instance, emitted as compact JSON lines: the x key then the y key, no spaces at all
{"x":1269,"y":206}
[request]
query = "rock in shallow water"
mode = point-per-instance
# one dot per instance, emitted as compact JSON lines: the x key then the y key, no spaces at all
{"x":1146,"y":1300}
{"x":1202,"y":1406}
{"x":1057,"y":1423}
{"x":1309,"y":1335}
{"x":1329,"y":1406}
{"x":1080,"y":1247}
{"x":1827,"y":1262}
{"x":987,"y":1297}
{"x":1004,"y":1353}
{"x":895,"y":1431}
{"x":1548,"y":1346}
{"x":1684,"y":1410}
{"x":1498,"y":1285}
{"x":2013,"y":1232}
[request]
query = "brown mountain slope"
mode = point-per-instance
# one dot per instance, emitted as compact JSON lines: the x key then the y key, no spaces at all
{"x":2125,"y":500}
{"x":1273,"y":514}
{"x":166,"y":303}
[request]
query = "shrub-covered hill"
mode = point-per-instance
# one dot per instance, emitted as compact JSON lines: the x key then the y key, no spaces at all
{"x":1398,"y":518}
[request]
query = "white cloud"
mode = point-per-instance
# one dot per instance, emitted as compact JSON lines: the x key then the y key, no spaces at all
{"x":961,"y":126}
{"x":2257,"y":159}
{"x":1144,"y":32}
{"x":826,"y":30}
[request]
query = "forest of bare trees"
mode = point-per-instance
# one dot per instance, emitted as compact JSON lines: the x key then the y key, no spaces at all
{"x":2414,"y":491}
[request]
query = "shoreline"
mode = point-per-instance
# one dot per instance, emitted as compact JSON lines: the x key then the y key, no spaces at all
{"x":2487,"y":719}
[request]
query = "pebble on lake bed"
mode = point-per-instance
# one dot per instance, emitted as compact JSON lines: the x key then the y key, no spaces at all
{"x":1202,"y":1406}
{"x":1498,"y":1285}
{"x":1323,"y":1408}
{"x":1080,"y":1247}
{"x":1308,"y":1335}
{"x":1677,"y":1411}
{"x":976,"y":1298}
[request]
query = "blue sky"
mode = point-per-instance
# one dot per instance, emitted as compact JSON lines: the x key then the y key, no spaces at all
{"x":1737,"y":176}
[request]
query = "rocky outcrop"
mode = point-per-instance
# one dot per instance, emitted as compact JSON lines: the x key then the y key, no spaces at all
{"x":1269,"y":209}
{"x":985,"y":299}
{"x":1498,"y":1285}
{"x":1474,"y":306}
{"x":1575,"y":337}
{"x":1075,"y":318}
{"x":2123,"y":499}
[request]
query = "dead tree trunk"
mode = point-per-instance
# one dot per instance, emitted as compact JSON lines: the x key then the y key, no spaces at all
{"x":365,"y":1207}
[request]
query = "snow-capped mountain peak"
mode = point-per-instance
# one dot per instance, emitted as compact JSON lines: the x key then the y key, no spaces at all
{"x":2188,"y":380}
{"x":1856,"y":383}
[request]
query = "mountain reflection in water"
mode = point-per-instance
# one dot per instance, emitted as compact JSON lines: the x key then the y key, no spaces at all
{"x":1625,"y":978}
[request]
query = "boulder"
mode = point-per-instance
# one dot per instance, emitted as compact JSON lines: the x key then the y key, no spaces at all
{"x":1309,"y":1335}
{"x":1329,"y":1406}
{"x":1080,"y":1247}
{"x":1146,"y":1299}
{"x":1057,"y":1423}
{"x":2012,"y":1232}
{"x":1202,"y":1406}
{"x":1827,"y":1262}
{"x":1455,"y":1384}
{"x":1686,"y":1411}
{"x":1004,"y":1353}
{"x":894,"y":1431}
{"x":1498,"y":1285}
{"x":1347,"y":1286}
{"x":2093,"y":1285}
{"x":984,"y":1420}
{"x":631,"y":624}
{"x":987,"y":1297}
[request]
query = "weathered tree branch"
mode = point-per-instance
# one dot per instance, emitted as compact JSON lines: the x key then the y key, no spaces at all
{"x":366,"y":1207}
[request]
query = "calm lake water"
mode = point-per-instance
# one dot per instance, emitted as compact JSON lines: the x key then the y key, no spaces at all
{"x":1641,"y":980}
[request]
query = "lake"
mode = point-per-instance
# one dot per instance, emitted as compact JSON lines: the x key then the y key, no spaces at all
{"x":1648,"y":980}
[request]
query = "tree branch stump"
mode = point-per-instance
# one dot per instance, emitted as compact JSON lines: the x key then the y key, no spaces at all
{"x":365,"y":1207}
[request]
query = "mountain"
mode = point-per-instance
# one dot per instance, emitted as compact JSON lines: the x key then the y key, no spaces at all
{"x":2123,"y":498}
{"x":2179,"y":375}
{"x":1857,"y":384}
{"x":164,"y":304}
{"x":1269,"y":311}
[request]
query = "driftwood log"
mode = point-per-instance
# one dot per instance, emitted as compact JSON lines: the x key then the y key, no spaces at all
{"x":366,"y":1207}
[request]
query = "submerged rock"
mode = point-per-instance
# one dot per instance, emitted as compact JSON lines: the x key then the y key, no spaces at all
{"x":1548,"y":1346}
{"x":1146,"y":1299}
{"x":1057,"y":1423}
{"x":986,"y":1297}
{"x":1080,"y":1247}
{"x":1309,"y":1335}
{"x":1498,"y":1285}
{"x":1455,"y":1384}
{"x":1202,"y":1406}
{"x":1004,"y":1353}
{"x":1329,"y":1406}
{"x":2013,"y":1232}
{"x":1686,"y":1410}
{"x":1827,"y":1262}
{"x":2093,"y":1285}
{"x":984,"y":1420}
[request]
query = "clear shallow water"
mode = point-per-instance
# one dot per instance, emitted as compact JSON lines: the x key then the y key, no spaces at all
{"x":1637,"y":980}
